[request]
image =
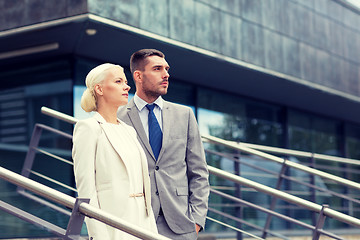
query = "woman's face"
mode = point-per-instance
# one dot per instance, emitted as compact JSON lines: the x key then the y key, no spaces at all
{"x":114,"y":87}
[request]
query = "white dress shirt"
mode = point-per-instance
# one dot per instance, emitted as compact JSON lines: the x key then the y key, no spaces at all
{"x":144,"y":112}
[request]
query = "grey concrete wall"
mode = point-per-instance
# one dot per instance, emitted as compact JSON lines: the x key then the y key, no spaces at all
{"x":18,"y":13}
{"x":318,"y":41}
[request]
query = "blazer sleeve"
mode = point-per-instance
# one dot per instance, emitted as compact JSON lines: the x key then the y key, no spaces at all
{"x":86,"y":134}
{"x":198,"y":174}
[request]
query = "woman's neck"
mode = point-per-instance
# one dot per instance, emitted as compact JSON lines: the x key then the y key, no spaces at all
{"x":108,"y":114}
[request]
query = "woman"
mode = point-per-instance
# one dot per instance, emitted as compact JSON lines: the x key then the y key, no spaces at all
{"x":109,"y":164}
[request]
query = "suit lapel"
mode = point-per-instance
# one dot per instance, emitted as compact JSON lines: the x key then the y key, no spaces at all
{"x":133,"y":114}
{"x":166,"y":121}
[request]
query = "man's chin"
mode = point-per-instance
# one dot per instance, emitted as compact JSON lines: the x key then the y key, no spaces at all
{"x":163,"y":92}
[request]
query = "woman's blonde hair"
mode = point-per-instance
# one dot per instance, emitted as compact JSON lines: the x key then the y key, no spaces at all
{"x":95,"y":76}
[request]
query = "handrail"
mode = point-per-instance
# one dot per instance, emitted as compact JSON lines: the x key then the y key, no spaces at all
{"x":293,"y":179}
{"x":298,"y":153}
{"x":285,"y":196}
{"x":233,"y":228}
{"x":84,"y":208}
{"x":279,"y":160}
{"x":267,"y":211}
{"x":59,"y":115}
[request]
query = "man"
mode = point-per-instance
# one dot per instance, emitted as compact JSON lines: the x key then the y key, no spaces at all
{"x":170,"y":137}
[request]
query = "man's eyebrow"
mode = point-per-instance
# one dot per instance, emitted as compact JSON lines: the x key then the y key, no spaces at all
{"x":156,"y":66}
{"x":160,"y":65}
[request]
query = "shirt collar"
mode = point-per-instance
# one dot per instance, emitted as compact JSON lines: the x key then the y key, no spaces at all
{"x":140,"y":103}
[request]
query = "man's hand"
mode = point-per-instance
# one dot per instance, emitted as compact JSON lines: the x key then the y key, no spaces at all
{"x":197,"y":228}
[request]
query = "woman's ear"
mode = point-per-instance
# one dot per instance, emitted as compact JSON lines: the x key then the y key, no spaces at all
{"x":98,"y":90}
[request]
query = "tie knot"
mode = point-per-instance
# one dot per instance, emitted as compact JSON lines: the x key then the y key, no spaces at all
{"x":150,"y":107}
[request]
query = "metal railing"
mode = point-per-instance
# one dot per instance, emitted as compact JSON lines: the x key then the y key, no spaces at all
{"x":324,"y":211}
{"x":286,"y":197}
{"x":266,"y":156}
{"x":27,"y":170}
{"x":50,"y":112}
{"x":286,"y":164}
{"x":274,"y":174}
{"x":297,"y":153}
{"x":78,"y":205}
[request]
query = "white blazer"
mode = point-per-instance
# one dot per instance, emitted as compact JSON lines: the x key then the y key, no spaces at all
{"x":101,"y":173}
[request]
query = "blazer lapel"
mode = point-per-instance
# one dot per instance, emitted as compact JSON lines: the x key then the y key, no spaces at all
{"x":166,"y":121}
{"x":133,"y":114}
{"x":112,"y":138}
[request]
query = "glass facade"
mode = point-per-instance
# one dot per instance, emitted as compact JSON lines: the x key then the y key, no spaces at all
{"x":352,"y":148}
{"x":59,"y":85}
{"x":42,"y":84}
{"x":311,"y":133}
{"x":239,"y":119}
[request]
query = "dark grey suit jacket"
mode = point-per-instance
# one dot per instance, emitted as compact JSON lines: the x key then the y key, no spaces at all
{"x":179,"y":178}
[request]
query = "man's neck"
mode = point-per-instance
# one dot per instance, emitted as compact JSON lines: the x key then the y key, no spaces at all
{"x":148,"y":99}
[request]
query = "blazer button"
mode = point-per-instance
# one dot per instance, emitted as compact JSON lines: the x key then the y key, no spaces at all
{"x":157,"y":193}
{"x":157,"y":168}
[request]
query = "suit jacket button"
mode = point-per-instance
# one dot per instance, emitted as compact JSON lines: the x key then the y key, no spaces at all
{"x":157,"y":193}
{"x":157,"y":168}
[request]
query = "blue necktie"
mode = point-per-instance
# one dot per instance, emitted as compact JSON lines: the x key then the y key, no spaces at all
{"x":155,"y":133}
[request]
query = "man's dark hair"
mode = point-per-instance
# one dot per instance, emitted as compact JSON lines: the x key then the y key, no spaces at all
{"x":138,"y":59}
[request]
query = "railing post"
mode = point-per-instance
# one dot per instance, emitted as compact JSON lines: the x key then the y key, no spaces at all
{"x":238,"y":210}
{"x":76,"y":220}
{"x":320,"y":223}
{"x":312,"y":191}
{"x":274,"y":199}
{"x":30,"y":155}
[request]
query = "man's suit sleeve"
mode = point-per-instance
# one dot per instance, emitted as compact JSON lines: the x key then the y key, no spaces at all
{"x":197,"y":172}
{"x":84,"y":152}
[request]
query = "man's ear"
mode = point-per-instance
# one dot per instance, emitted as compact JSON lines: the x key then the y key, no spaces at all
{"x":98,"y":89}
{"x":137,"y":76}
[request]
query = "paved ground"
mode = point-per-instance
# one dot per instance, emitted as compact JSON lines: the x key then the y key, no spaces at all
{"x":347,"y":237}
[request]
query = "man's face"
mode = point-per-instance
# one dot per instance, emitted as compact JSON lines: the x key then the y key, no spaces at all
{"x":155,"y":77}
